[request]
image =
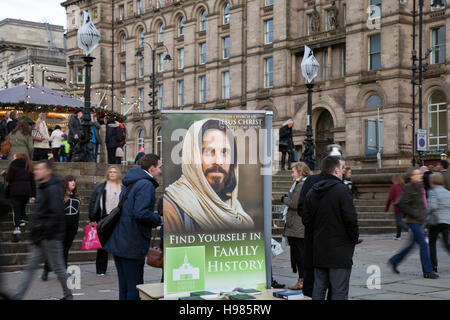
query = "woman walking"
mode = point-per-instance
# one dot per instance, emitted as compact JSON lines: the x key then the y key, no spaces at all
{"x":72,"y":202}
{"x":395,"y":193}
{"x":439,"y":205}
{"x":21,"y":141}
{"x":41,"y":147}
{"x":22,"y":187}
{"x":104,"y":199}
{"x":294,"y":229}
{"x":413,"y":204}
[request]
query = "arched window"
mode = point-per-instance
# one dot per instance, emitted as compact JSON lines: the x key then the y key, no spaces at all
{"x":181,"y":26}
{"x":437,"y":121}
{"x":140,"y":142}
{"x":141,"y":37}
{"x":203,"y":20}
{"x":161,"y":32}
{"x":374,"y":101}
{"x":123,"y":43}
{"x":226,"y":14}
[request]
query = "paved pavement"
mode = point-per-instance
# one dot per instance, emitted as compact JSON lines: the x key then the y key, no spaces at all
{"x":374,"y":251}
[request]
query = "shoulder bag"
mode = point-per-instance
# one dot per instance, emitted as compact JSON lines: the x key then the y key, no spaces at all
{"x":155,"y":255}
{"x":36,"y":135}
{"x":107,"y":225}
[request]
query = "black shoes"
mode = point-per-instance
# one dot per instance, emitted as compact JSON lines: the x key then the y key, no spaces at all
{"x":44,"y":276}
{"x":277,"y":285}
{"x":431,"y":276}
{"x":393,"y":267}
{"x":359,"y":241}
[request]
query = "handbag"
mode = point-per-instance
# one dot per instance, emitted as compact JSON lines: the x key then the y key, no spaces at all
{"x":107,"y":225}
{"x":119,"y":152}
{"x":90,"y":240}
{"x":155,"y":255}
{"x":36,"y":135}
{"x":432,"y":219}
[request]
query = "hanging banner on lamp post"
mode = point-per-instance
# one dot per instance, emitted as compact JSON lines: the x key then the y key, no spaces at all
{"x":214,"y":202}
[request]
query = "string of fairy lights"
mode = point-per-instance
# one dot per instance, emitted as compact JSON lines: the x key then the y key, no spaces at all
{"x":129,"y":103}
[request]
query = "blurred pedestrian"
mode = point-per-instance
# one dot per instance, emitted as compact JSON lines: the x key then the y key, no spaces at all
{"x":4,"y":126}
{"x":72,"y":202}
{"x":111,"y":142}
{"x":74,"y":130}
{"x":104,"y":199}
{"x":394,"y":194}
{"x":130,"y":240}
{"x":439,"y":205}
{"x":426,"y":173}
{"x":443,"y":168}
{"x":413,"y":204}
{"x":335,"y":231}
{"x":21,"y":140}
{"x":286,"y":144}
{"x":64,"y":150}
{"x":21,"y":188}
{"x":347,"y":179}
{"x":47,"y":230}
{"x":56,"y":138}
{"x":41,"y":147}
{"x":294,"y":229}
{"x":14,"y":116}
{"x":96,"y":139}
{"x":139,"y":155}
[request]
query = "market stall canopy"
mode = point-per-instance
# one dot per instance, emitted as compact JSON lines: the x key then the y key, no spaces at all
{"x":36,"y":94}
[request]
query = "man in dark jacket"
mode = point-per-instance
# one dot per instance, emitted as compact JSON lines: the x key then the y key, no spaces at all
{"x":130,"y":240}
{"x":286,"y":144}
{"x":47,"y":230}
{"x":111,"y":139}
{"x":331,"y":216}
{"x":74,"y":130}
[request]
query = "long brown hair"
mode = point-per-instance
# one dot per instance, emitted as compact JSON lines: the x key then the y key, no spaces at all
{"x":302,"y":168}
{"x":28,"y":164}
{"x":23,"y":127}
{"x":65,"y":187}
{"x":119,"y":173}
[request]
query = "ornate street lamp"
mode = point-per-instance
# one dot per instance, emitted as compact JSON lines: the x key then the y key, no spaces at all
{"x":88,"y":38}
{"x":153,"y":84}
{"x":310,"y":68}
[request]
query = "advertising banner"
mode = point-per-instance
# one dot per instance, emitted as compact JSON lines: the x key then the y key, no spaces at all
{"x":213,"y":205}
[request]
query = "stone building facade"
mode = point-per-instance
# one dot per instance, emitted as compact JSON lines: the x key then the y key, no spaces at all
{"x":246,"y":54}
{"x":32,"y":52}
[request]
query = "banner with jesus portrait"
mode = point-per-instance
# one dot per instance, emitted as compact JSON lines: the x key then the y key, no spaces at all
{"x":214,"y":166}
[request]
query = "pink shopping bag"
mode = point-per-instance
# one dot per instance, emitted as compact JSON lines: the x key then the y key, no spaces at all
{"x":90,"y":239}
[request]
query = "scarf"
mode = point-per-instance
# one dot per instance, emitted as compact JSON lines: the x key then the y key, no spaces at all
{"x":195,"y":196}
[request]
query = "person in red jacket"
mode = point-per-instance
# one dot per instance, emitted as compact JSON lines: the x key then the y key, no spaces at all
{"x":394,"y":193}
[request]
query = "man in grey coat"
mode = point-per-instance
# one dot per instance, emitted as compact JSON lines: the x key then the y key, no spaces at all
{"x":439,"y":206}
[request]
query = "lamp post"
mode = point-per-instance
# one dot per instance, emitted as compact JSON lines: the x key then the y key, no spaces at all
{"x":153,"y":91}
{"x":437,"y":4}
{"x":310,"y":68}
{"x":88,"y":38}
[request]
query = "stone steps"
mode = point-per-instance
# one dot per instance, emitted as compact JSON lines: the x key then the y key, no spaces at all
{"x":370,"y":208}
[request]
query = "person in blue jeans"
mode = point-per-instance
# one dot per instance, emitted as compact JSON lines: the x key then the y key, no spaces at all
{"x":413,"y":204}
